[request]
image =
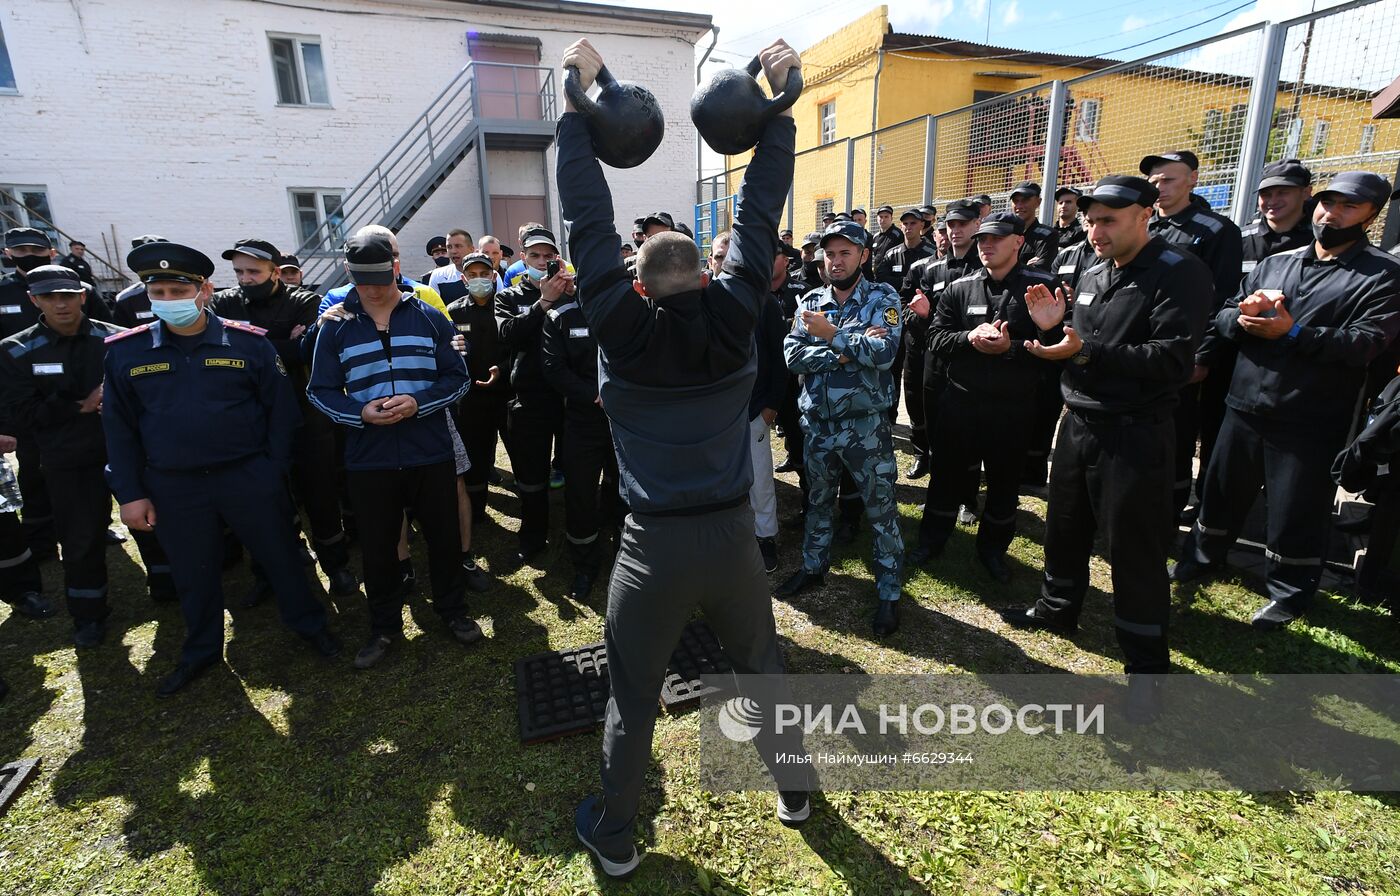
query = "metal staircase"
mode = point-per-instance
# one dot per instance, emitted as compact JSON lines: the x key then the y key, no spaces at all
{"x":510,"y":106}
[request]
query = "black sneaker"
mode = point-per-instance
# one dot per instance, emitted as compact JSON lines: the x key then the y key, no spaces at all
{"x":465,"y":630}
{"x":799,"y":582}
{"x":343,"y":582}
{"x":919,"y":469}
{"x":886,"y":618}
{"x":787,"y":466}
{"x":1028,"y":618}
{"x":995,"y":566}
{"x":181,"y":676}
{"x":922,"y":553}
{"x":768,"y":549}
{"x":409,"y":581}
{"x":373,"y":651}
{"x":90,"y":633}
{"x":585,"y":820}
{"x":581,"y":587}
{"x":475,"y":576}
{"x":326,"y":643}
{"x":34,"y":605}
{"x":1273,"y":615}
{"x":794,"y":807}
{"x":261,"y":591}
{"x":113,"y":537}
{"x":1188,"y":569}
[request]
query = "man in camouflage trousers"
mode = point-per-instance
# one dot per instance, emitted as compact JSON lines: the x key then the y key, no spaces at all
{"x":843,"y":342}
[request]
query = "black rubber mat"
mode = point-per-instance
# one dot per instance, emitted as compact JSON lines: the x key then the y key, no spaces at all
{"x":565,"y":692}
{"x":697,"y":654}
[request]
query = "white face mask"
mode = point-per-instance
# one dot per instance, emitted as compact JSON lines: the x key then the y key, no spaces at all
{"x":481,"y":287}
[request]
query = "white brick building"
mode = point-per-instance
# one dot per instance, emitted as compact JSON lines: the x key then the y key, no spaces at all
{"x":212,"y":120}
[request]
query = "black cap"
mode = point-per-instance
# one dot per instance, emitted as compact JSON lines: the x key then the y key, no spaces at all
{"x":1001,"y":224}
{"x":962,"y":210}
{"x":916,"y":213}
{"x":828,"y":216}
{"x":639,"y":223}
{"x":507,"y":251}
{"x":49,"y":278}
{"x":145,"y":238}
{"x":682,"y":228}
{"x":662,"y":218}
{"x":73,"y":243}
{"x":1030,"y":188}
{"x":1060,"y":191}
{"x":26,"y":236}
{"x":928,"y":211}
{"x":1288,"y":173}
{"x":434,"y":243}
{"x":169,"y":261}
{"x":784,"y":232}
{"x":792,"y":253}
{"x":984,"y":199}
{"x":289,"y":261}
{"x":885,"y":208}
{"x":1185,"y":156}
{"x":812,"y":239}
{"x":1120,"y":191}
{"x":1362,"y":185}
{"x":942,"y":224}
{"x":858,"y":211}
{"x":477,"y":258}
{"x":843,"y":216}
{"x":369,"y":259}
{"x":847,"y":230}
{"x":254,"y":248}
{"x":539,"y":236}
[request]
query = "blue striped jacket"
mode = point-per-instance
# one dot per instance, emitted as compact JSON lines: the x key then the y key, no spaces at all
{"x":351,"y":368}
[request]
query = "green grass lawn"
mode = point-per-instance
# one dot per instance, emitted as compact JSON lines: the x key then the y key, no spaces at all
{"x":287,"y":774}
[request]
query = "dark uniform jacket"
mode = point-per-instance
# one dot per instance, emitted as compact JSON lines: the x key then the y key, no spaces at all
{"x":1072,"y":235}
{"x":977,"y":299}
{"x":893,"y":267}
{"x":771,"y":386}
{"x":485,"y":349}
{"x":1140,"y":324}
{"x":1071,"y":264}
{"x":278,"y":315}
{"x":1041,"y":244}
{"x":227,"y":400}
{"x":74,"y":263}
{"x":520,"y":319}
{"x":1260,"y":242}
{"x":569,"y":356}
{"x":676,"y":373}
{"x":132,"y":307}
{"x":933,"y":275}
{"x":1358,"y":465}
{"x":884,"y":241}
{"x":1347,"y":312}
{"x":1211,"y":237}
{"x":18,"y":312}
{"x":43,"y":377}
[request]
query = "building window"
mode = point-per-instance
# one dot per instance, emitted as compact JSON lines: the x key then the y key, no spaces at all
{"x":23,"y":205}
{"x":827,"y":113}
{"x":7,"y":71}
{"x":1319,"y":141}
{"x":317,"y":213}
{"x":299,"y":70}
{"x":1086,"y":124}
{"x":1368,"y":139}
{"x":824,"y":207}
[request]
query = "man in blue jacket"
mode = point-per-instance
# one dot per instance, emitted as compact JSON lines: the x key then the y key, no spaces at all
{"x":390,"y":374}
{"x":675,"y":372}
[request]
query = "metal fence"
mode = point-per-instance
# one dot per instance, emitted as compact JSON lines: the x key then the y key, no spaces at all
{"x":1294,"y":89}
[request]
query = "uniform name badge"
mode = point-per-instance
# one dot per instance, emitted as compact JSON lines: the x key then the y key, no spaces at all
{"x":1066,"y":269}
{"x":48,"y":369}
{"x":897,"y":268}
{"x":1084,"y":299}
{"x":522,"y":309}
{"x":145,"y":315}
{"x":230,"y":363}
{"x":464,"y":328}
{"x":977,"y":309}
{"x":577,"y":332}
{"x":1246,"y":267}
{"x":9,"y":309}
{"x":939,"y":287}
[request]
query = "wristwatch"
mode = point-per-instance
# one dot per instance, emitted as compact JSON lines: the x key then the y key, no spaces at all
{"x":1081,"y":357}
{"x":1293,"y":331}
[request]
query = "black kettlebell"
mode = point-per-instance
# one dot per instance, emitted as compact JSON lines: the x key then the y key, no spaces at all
{"x":625,"y":123}
{"x":731,"y":111}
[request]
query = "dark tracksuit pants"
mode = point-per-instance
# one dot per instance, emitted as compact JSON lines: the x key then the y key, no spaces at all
{"x":192,"y":507}
{"x":790,"y":419}
{"x":915,"y":348}
{"x":380,"y":498}
{"x":314,"y":463}
{"x":666,"y":555}
{"x":1292,"y":460}
{"x":531,"y":422}
{"x":1200,"y":413}
{"x":1045,"y":418}
{"x":19,"y":571}
{"x":1112,"y":475}
{"x":481,"y":417}
{"x":37,"y":514}
{"x":589,"y":459}
{"x":975,"y":427}
{"x":935,"y":383}
{"x":1214,"y":389}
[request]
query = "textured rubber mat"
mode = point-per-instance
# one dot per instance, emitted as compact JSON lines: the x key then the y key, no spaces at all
{"x":565,"y":692}
{"x":697,"y":654}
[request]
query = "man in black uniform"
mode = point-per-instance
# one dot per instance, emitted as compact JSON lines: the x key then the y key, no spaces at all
{"x":1306,"y":324}
{"x":678,"y":395}
{"x":980,"y":331}
{"x":1141,"y":311}
{"x":132,"y":307}
{"x":1068,"y":229}
{"x":75,"y":261}
{"x":51,"y":389}
{"x":21,"y":582}
{"x":1285,"y":213}
{"x":928,"y":278}
{"x":536,"y":407}
{"x":984,"y":205}
{"x":481,"y":414}
{"x":887,"y":236}
{"x":892,"y":270}
{"x":289,"y":266}
{"x":437,"y":251}
{"x":1187,"y":221}
{"x":569,"y":355}
{"x":1041,"y":241}
{"x":285,"y":313}
{"x":199,"y":419}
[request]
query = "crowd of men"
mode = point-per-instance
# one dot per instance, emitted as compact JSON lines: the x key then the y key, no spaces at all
{"x":1090,"y":359}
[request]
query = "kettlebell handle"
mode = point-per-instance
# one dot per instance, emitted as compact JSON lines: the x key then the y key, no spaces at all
{"x":577,"y":95}
{"x":783,"y":101}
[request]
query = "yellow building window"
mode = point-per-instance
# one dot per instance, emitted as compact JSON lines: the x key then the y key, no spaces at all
{"x":827,"y":115}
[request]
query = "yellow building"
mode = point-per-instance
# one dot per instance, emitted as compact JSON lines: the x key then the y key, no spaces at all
{"x":869,"y":89}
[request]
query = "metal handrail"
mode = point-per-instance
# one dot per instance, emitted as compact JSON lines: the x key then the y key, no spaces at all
{"x":16,"y":222}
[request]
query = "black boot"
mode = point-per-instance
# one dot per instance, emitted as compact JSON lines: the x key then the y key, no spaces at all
{"x":887,"y":618}
{"x":800,"y":581}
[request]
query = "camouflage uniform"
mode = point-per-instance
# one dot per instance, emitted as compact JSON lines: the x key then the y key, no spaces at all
{"x":845,"y":413}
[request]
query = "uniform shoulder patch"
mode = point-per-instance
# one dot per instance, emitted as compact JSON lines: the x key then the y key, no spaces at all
{"x":245,"y":327}
{"x":1172,"y":257}
{"x":1208,"y":222}
{"x":1041,"y":277}
{"x":131,"y":332}
{"x":975,"y":275}
{"x":891,"y":316}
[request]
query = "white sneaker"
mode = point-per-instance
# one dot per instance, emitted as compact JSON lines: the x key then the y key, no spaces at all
{"x":966,"y":517}
{"x":792,"y":813}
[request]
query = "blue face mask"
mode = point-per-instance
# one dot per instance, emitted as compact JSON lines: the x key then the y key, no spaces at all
{"x":176,"y":312}
{"x":534,"y":273}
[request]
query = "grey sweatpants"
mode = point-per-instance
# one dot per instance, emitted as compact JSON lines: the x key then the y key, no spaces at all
{"x":665,"y":568}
